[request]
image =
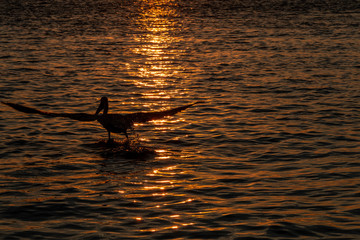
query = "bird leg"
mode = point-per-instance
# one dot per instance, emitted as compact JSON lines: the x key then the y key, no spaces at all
{"x":109,"y":138}
{"x":126,"y":135}
{"x":134,"y":133}
{"x":127,"y":141}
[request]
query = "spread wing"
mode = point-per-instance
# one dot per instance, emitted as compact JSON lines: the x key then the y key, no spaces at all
{"x":76,"y":116}
{"x":143,"y":117}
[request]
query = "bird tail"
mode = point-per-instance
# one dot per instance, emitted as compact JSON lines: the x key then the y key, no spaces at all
{"x":75,"y":116}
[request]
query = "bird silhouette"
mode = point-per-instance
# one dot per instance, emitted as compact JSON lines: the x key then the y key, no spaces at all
{"x":112,"y":122}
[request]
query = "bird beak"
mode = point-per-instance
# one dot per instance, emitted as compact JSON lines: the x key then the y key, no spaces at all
{"x":101,"y":107}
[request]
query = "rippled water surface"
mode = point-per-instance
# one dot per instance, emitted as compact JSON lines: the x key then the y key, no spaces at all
{"x":270,"y":152}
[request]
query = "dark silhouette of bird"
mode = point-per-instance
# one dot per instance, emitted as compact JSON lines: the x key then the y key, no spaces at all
{"x":112,"y":122}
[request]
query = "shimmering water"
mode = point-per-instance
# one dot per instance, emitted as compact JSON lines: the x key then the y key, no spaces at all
{"x":272,"y":152}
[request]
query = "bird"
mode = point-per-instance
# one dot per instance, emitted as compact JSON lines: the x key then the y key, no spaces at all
{"x":112,"y":122}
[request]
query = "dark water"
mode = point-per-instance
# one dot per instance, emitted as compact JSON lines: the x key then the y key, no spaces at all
{"x":272,"y":152}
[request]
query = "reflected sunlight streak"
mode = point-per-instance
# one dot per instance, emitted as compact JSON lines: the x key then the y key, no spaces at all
{"x":155,"y":71}
{"x":161,"y":187}
{"x":155,"y":49}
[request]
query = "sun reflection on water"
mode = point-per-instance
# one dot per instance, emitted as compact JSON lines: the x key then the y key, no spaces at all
{"x":156,"y":192}
{"x":155,"y":68}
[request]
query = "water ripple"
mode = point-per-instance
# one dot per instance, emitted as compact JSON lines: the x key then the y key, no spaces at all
{"x":270,"y":152}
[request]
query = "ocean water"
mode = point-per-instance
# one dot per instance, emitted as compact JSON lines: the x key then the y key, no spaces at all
{"x":271,"y":151}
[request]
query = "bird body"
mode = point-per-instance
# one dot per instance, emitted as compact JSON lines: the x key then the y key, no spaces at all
{"x":120,"y":123}
{"x":116,"y":123}
{"x":112,"y":122}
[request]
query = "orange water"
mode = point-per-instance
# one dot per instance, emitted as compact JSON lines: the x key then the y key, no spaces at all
{"x":272,"y":152}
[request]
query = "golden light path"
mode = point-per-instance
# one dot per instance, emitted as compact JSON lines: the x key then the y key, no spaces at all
{"x":157,"y":185}
{"x":154,"y":67}
{"x":154,"y":46}
{"x":155,"y":71}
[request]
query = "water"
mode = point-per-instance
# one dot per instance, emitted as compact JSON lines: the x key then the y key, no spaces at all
{"x":272,"y":152}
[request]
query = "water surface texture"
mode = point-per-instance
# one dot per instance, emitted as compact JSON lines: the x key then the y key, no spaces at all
{"x":271,"y":152}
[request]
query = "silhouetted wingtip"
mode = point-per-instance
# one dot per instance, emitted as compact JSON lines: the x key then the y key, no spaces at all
{"x":198,"y":102}
{"x":9,"y":104}
{"x":195,"y":103}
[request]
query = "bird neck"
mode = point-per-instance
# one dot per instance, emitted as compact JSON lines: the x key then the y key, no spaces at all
{"x":106,"y":109}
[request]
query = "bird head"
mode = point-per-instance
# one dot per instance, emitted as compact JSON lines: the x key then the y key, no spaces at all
{"x":104,"y":104}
